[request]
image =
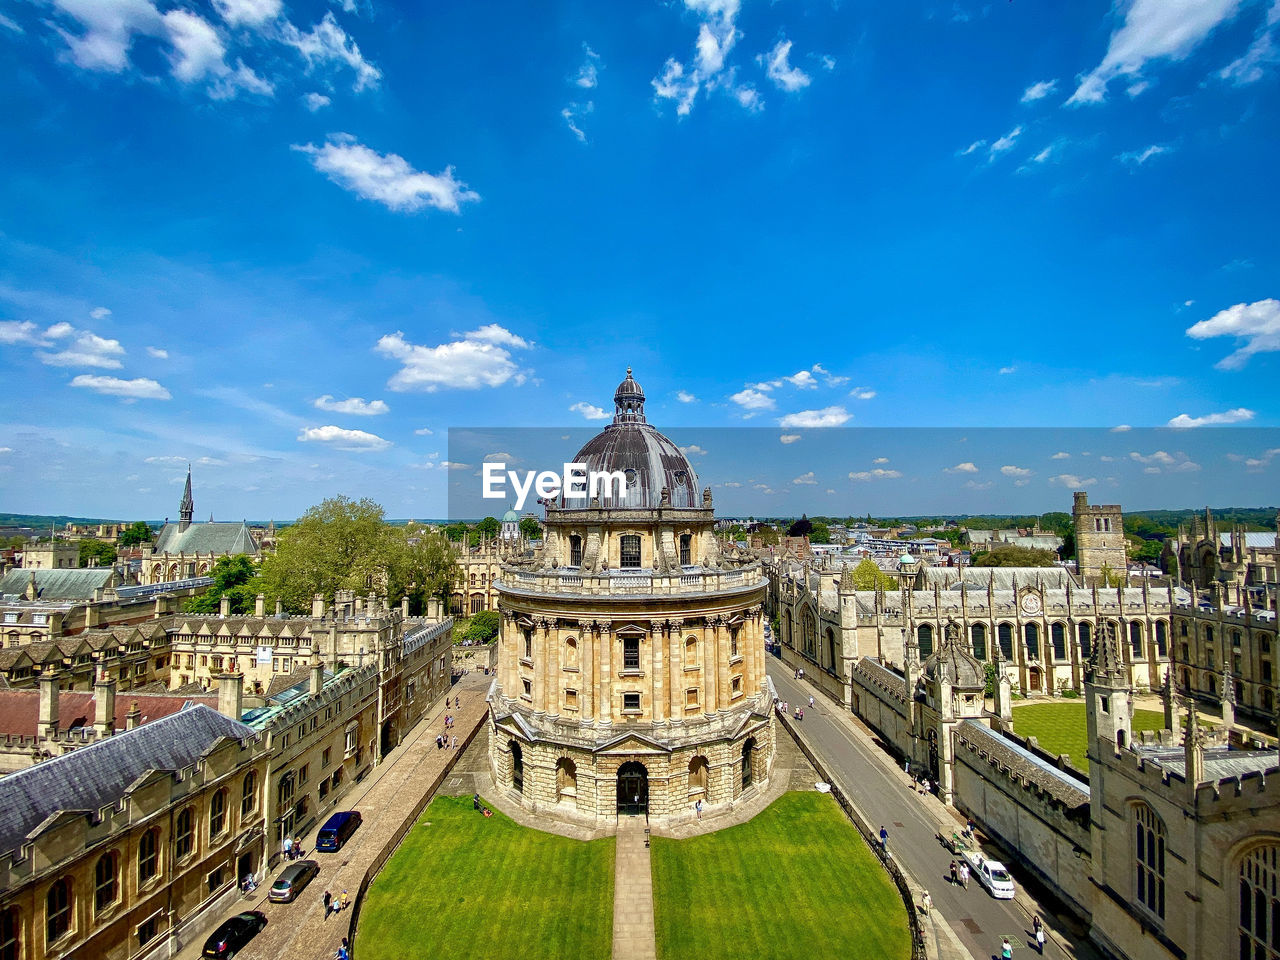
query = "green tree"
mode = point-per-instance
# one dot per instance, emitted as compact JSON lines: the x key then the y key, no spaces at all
{"x":1009,"y":555}
{"x":483,"y":627}
{"x":97,"y":553}
{"x":457,"y":531}
{"x":867,"y":576}
{"x":419,"y":566}
{"x":1109,"y":577}
{"x":233,"y":577}
{"x":488,"y":528}
{"x":989,"y":672}
{"x":530,"y":528}
{"x":134,"y":534}
{"x":819,"y":532}
{"x":802,"y":527}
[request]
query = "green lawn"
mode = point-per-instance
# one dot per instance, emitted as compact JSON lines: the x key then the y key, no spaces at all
{"x":795,"y":882}
{"x":470,"y":887}
{"x":1061,"y":727}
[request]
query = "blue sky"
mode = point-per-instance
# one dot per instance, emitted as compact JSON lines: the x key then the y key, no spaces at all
{"x":280,"y":240}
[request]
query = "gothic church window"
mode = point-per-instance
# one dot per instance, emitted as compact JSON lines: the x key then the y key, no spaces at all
{"x":58,"y":909}
{"x":1004,"y":632}
{"x":924,"y":637}
{"x":1259,"y":888}
{"x":1149,"y":849}
{"x":979,"y":635}
{"x":148,"y":855}
{"x":1135,"y":639}
{"x":1058,"y":633}
{"x":105,"y":885}
{"x":1085,"y":634}
{"x":1032,"y":633}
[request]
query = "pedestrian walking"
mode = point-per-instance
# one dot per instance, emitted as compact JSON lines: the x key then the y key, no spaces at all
{"x":964,"y":874}
{"x":288,"y":848}
{"x":328,"y":902}
{"x":345,"y":900}
{"x":1006,"y":951}
{"x":1038,"y":926}
{"x":698,"y":807}
{"x":884,"y":838}
{"x":811,"y":703}
{"x":297,"y":847}
{"x":439,"y":741}
{"x":969,"y":828}
{"x":955,"y":874}
{"x":926,"y":903}
{"x":924,"y":787}
{"x":455,"y":741}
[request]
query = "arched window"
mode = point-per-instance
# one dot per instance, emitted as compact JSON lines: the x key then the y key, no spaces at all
{"x":686,"y":549}
{"x":1259,"y":887}
{"x":810,"y":635}
{"x":978,"y":632}
{"x":571,"y":652}
{"x":748,"y":749}
{"x":1149,"y":840}
{"x":184,"y":834}
{"x":217,"y":813}
{"x":1135,"y":639}
{"x":1032,"y":634}
{"x":249,"y":793}
{"x":575,"y":550}
{"x":924,"y":637}
{"x":106,"y":886}
{"x":1162,"y":639}
{"x":831,"y":650}
{"x":477,"y":604}
{"x":1208,"y":634}
{"x":473,"y":579}
{"x":691,"y":652}
{"x":629,"y":551}
{"x":1058,"y":634}
{"x":9,"y":928}
{"x":148,"y":855}
{"x":698,"y":775}
{"x":57,"y":907}
{"x":1085,"y":634}
{"x":517,"y":767}
{"x":1004,"y":632}
{"x":566,"y":779}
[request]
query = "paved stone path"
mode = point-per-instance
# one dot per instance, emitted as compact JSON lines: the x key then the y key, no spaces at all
{"x":633,"y":937}
{"x":385,"y":799}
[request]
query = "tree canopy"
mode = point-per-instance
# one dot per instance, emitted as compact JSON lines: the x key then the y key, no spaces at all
{"x":483,"y":627}
{"x":867,"y":576}
{"x":135,"y":533}
{"x":801,"y":528}
{"x":96,"y":553}
{"x":489,"y":528}
{"x":1010,"y":555}
{"x":530,"y":528}
{"x":233,"y":577}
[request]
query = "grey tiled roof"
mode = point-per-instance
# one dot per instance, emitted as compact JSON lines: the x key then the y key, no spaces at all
{"x":1024,"y":765}
{"x":58,"y":584}
{"x":97,"y":775}
{"x":1220,"y":763}
{"x":216,"y":538}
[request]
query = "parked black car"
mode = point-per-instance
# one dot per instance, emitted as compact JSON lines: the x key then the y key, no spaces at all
{"x":229,"y":938}
{"x":292,"y":881}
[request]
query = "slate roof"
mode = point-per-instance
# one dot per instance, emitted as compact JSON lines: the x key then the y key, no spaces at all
{"x":58,"y":584}
{"x":20,"y":709}
{"x":216,"y":538}
{"x":1025,"y":765}
{"x":1264,"y":541}
{"x":99,"y":774}
{"x":1220,"y":763}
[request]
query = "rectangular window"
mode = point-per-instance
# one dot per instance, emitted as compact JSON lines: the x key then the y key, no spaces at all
{"x":303,"y":773}
{"x":148,"y":929}
{"x":528,"y":688}
{"x":631,"y":703}
{"x":528,"y":644}
{"x":736,"y":686}
{"x":691,"y":697}
{"x":324,"y":757}
{"x":575,"y":551}
{"x":571,"y":699}
{"x":631,"y":653}
{"x":629,"y":555}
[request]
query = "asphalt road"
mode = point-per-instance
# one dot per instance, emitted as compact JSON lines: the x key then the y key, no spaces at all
{"x":881,"y":790}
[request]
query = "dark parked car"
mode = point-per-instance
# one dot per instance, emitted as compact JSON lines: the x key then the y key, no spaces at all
{"x":337,"y":830}
{"x":231,"y":937}
{"x":292,"y":881}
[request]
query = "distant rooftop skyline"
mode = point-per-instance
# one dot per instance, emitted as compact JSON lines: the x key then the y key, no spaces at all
{"x":294,"y":243}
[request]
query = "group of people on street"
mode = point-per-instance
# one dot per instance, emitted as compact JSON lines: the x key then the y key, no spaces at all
{"x":960,"y":873}
{"x":334,"y":904}
{"x":293,"y":848}
{"x":1037,"y":930}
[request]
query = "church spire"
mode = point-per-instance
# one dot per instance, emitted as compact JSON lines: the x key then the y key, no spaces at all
{"x":188,"y":506}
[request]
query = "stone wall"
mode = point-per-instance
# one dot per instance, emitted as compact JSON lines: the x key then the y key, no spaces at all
{"x":878,"y":697}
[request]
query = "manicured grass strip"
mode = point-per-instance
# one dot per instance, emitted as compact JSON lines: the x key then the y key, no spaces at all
{"x":467,"y":887}
{"x":1062,"y":727}
{"x":795,"y":883}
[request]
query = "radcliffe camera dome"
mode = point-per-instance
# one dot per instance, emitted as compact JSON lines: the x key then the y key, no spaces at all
{"x":649,"y":460}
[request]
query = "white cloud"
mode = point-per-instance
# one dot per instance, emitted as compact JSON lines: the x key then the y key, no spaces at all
{"x":16,"y":28}
{"x":1121,"y":428}
{"x":806,"y":479}
{"x":877,"y":474}
{"x":1257,"y":324}
{"x":975,"y":485}
{"x":828,"y":62}
{"x":826,"y":417}
{"x":779,"y":70}
{"x":830,"y":379}
{"x":804,"y":380}
{"x":1038,"y":91}
{"x":6,"y":449}
{"x":1136,"y":158}
{"x":971,"y":148}
{"x":230,"y":84}
{"x":480,"y":358}
{"x":1004,"y":144}
{"x":1238,"y":415}
{"x":1257,"y":463}
{"x":692,"y":450}
{"x":21,"y":331}
{"x":341,"y":439}
{"x":862,"y":393}
{"x":684,"y":396}
{"x":353,"y":406}
{"x":1004,"y":371}
{"x":248,"y":13}
{"x":1012,"y":471}
{"x":589,"y":411}
{"x":879,"y":460}
{"x":108,"y":28}
{"x":423,"y":432}
{"x":87,"y":349}
{"x":327,"y":43}
{"x":1061,"y":455}
{"x":1251,"y":66}
{"x":752,"y":399}
{"x":99,"y":313}
{"x":589,"y":73}
{"x":140,"y":389}
{"x":789,"y":438}
{"x":157,"y":353}
{"x":1160,"y":456}
{"x":315,"y":101}
{"x":573,"y":115}
{"x":1073,"y":481}
{"x":967,"y":467}
{"x":197,"y":49}
{"x":386,"y":178}
{"x":1152,"y":30}
{"x":717,"y":35}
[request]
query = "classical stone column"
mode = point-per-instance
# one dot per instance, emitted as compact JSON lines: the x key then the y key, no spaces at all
{"x":555,"y":679}
{"x":707,"y":672}
{"x":604,"y":690}
{"x":586,"y":667}
{"x":675,"y":670}
{"x":720,"y":631}
{"x":540,"y":635}
{"x":508,"y":654}
{"x":657,"y":686}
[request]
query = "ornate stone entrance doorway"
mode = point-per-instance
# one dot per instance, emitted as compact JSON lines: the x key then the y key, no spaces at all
{"x":633,"y":789}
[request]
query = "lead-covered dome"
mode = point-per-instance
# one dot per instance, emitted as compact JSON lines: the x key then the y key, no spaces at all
{"x":649,"y":461}
{"x":954,"y":664}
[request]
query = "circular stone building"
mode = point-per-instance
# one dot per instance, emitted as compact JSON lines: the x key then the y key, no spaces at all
{"x":631,"y":664}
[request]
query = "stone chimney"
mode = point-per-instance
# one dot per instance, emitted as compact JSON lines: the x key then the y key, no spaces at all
{"x":158,"y":608}
{"x":134,"y":717}
{"x":224,"y":607}
{"x":404,"y":607}
{"x":279,"y":607}
{"x":317,"y":675}
{"x":317,"y":607}
{"x":260,"y":606}
{"x":231,"y":695}
{"x":48,"y":707}
{"x":104,"y":707}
